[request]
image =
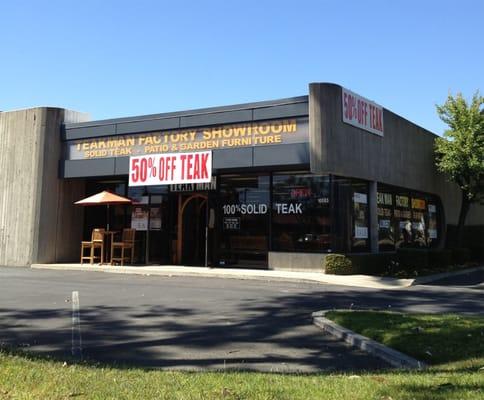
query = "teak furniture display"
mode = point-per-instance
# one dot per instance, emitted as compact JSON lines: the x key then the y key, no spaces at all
{"x":127,"y":243}
{"x":96,"y":242}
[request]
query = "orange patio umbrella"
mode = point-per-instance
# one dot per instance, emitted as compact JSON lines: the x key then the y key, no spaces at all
{"x":104,"y":198}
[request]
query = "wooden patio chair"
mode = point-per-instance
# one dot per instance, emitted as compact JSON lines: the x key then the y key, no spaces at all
{"x":127,"y":243}
{"x":96,"y":242}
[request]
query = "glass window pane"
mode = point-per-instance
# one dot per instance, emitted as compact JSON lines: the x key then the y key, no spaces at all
{"x":414,"y":218}
{"x":244,"y":207}
{"x":351,"y":215}
{"x":300,"y":213}
{"x":386,"y":220}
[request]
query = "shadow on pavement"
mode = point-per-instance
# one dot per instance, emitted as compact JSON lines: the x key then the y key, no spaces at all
{"x":274,"y":334}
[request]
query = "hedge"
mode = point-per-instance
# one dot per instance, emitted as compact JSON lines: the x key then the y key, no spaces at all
{"x":460,"y":255}
{"x":440,"y":258}
{"x":373,"y":264}
{"x":403,"y":262}
{"x":412,"y":259}
{"x":339,"y":264}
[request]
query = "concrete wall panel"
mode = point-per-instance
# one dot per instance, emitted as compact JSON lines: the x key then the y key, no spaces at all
{"x":148,"y":125}
{"x":285,"y":261}
{"x":227,"y":117}
{"x":34,"y":202}
{"x":88,"y":168}
{"x":20,"y":148}
{"x":283,"y":154}
{"x":232,"y":158}
{"x":90,"y":132}
{"x":282,"y":111}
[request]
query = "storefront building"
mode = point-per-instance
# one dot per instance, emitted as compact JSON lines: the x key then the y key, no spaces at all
{"x":275,"y":184}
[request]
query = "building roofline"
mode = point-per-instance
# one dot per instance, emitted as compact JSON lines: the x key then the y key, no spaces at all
{"x":199,"y":111}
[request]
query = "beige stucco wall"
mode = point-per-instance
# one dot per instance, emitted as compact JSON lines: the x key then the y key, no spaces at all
{"x":38,"y":222}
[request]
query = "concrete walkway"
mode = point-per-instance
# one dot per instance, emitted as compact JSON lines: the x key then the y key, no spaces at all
{"x":366,"y":281}
{"x":256,"y":274}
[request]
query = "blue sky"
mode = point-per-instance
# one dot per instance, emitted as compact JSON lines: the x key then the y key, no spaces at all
{"x":122,"y":58}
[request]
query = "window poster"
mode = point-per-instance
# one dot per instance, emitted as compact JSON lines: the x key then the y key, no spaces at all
{"x":139,"y":219}
{"x":360,"y":198}
{"x":361,"y":232}
{"x":360,"y":211}
{"x":155,"y":218}
{"x":231,"y":223}
{"x":384,"y":223}
{"x":432,"y":230}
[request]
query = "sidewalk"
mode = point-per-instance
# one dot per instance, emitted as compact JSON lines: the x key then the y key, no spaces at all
{"x":254,"y":274}
{"x":367,"y":281}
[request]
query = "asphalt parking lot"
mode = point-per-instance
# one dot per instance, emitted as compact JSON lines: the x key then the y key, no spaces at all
{"x":471,"y":280}
{"x":196,"y":323}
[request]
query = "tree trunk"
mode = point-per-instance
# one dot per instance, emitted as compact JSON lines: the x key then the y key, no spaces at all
{"x":464,"y":209}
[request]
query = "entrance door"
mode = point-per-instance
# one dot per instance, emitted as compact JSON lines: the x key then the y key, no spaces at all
{"x":158,"y":232}
{"x":192,"y":230}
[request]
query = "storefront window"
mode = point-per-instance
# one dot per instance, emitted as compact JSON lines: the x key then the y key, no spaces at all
{"x":361,"y":231}
{"x":300,"y":213}
{"x":432,"y":223}
{"x":403,"y":216}
{"x":350,"y":212}
{"x":386,"y":222}
{"x":413,"y":218}
{"x":251,"y":214}
{"x":419,"y":217}
{"x":244,"y":223}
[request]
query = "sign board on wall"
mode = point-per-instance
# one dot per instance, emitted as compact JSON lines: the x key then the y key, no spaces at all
{"x":192,"y":187}
{"x":260,"y":133}
{"x":361,"y":112}
{"x":170,"y":168}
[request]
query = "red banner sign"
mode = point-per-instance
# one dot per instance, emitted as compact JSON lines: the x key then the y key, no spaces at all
{"x":170,"y":168}
{"x":361,"y":112}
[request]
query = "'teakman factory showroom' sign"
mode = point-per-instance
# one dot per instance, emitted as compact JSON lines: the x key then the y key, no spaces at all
{"x":248,"y":134}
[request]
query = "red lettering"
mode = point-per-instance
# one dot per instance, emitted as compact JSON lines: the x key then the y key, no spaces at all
{"x":135,"y":169}
{"x":345,"y":102}
{"x":204,"y":165}
{"x":161,"y":169}
{"x":182,"y":158}
{"x":372,"y":115}
{"x":350,"y":106}
{"x":173,"y":167}
{"x":196,"y":169}
{"x":143,"y":171}
{"x":189,"y":166}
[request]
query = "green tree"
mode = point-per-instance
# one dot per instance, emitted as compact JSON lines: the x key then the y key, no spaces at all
{"x":460,"y":152}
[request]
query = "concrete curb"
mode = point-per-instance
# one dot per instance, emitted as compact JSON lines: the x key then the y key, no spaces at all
{"x":431,"y":278}
{"x":244,"y":274}
{"x":263,"y":275}
{"x":147,"y":271}
{"x":393,"y":357}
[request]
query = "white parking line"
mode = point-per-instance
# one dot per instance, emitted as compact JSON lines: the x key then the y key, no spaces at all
{"x":76,"y":342}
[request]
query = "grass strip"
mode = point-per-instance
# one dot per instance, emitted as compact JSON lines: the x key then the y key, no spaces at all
{"x":436,"y":339}
{"x":26,"y":377}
